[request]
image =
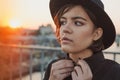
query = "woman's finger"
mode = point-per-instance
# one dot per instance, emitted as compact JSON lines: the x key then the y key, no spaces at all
{"x":74,"y":75}
{"x":56,"y":76}
{"x":63,"y":64}
{"x":61,"y":69}
{"x":87,"y":73}
{"x":77,"y":74}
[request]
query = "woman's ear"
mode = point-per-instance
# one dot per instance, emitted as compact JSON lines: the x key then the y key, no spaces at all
{"x":98,"y":34}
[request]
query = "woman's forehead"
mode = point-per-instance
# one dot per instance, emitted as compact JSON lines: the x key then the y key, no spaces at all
{"x":76,"y":12}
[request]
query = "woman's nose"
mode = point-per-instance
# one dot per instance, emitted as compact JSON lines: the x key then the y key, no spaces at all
{"x":67,"y":28}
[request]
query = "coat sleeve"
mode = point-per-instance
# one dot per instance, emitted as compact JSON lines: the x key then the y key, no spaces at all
{"x":47,"y":73}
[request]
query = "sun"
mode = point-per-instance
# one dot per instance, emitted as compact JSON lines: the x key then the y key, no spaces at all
{"x":14,"y":23}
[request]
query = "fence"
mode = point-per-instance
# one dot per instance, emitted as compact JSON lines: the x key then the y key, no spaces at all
{"x":14,"y":58}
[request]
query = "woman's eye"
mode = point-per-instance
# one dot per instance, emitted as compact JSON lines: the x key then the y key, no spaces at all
{"x":78,"y":23}
{"x":62,"y":22}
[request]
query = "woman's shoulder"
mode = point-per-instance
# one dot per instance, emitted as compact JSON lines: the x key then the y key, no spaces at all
{"x":113,"y":69}
{"x":112,"y":62}
{"x":109,"y":70}
{"x":113,"y":65}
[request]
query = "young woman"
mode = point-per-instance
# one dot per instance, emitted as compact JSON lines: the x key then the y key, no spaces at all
{"x":83,"y":30}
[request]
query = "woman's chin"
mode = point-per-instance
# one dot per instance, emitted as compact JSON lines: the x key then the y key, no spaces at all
{"x":67,"y":49}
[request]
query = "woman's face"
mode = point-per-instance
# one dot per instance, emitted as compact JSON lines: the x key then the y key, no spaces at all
{"x":76,"y":30}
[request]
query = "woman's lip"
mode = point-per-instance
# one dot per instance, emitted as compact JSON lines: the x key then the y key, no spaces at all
{"x":66,"y":39}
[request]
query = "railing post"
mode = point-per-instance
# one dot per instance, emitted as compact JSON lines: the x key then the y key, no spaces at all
{"x":42,"y":64}
{"x":114,"y":56}
{"x":11,"y":65}
{"x":20,"y":67}
{"x":31,"y":64}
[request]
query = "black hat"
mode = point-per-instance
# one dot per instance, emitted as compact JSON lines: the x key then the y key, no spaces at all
{"x":97,"y":8}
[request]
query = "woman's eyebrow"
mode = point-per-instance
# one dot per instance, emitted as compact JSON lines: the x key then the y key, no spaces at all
{"x":78,"y":17}
{"x":62,"y":18}
{"x":73,"y":18}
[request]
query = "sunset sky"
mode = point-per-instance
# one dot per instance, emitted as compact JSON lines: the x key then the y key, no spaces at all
{"x":32,"y":13}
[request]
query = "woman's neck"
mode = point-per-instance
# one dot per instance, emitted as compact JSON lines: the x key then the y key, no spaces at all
{"x":83,"y":54}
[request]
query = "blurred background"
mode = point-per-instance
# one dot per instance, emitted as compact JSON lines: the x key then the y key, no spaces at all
{"x":27,"y":40}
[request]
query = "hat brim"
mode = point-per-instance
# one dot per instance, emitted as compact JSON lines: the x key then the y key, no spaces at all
{"x":104,"y":20}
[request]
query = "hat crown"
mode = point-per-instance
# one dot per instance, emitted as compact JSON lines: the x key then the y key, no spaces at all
{"x":99,"y":3}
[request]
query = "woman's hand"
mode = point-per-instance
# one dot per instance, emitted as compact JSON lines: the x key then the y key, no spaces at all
{"x":61,"y":69}
{"x":82,"y":71}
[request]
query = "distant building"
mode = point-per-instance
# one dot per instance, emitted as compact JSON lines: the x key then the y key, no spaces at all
{"x":47,"y":36}
{"x":44,"y":36}
{"x":46,"y":30}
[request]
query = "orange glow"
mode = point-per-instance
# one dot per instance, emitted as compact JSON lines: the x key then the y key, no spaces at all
{"x":14,"y":23}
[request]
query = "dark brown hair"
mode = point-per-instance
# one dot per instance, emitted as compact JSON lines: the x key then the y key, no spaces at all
{"x":96,"y":45}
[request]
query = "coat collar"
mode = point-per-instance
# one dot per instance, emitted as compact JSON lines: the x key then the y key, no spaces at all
{"x":95,"y":61}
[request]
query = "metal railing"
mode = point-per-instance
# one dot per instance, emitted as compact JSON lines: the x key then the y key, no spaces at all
{"x":31,"y":50}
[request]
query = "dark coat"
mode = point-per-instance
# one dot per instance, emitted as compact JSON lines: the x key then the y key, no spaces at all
{"x":102,"y":69}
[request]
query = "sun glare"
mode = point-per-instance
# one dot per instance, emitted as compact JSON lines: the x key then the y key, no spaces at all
{"x":14,"y":23}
